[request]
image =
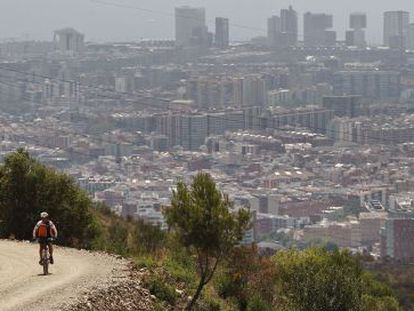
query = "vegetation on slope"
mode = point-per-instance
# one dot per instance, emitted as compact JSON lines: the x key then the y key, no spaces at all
{"x":315,"y":279}
{"x":203,"y":222}
{"x":27,"y":188}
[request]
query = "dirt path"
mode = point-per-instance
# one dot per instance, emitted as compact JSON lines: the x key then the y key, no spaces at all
{"x":22,"y":287}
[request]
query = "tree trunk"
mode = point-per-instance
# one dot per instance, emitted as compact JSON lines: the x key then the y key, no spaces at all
{"x":191,"y":304}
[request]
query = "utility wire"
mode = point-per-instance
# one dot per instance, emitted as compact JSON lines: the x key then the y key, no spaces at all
{"x":209,"y":114}
{"x":161,"y":13}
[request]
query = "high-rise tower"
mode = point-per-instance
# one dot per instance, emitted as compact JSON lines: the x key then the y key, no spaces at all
{"x":289,"y":26}
{"x":396,"y":29}
{"x":356,"y":36}
{"x":190,"y":26}
{"x":222,"y":37}
{"x":316,"y":30}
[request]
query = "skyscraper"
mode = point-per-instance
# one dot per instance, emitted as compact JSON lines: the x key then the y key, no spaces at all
{"x":356,"y":36}
{"x":273,"y":30}
{"x":222,"y":36}
{"x":69,"y":40}
{"x":358,"y":21}
{"x":249,"y":91}
{"x":193,"y":131}
{"x":289,"y":25}
{"x":396,"y":29}
{"x":190,"y":26}
{"x":316,"y":31}
{"x":411,"y":37}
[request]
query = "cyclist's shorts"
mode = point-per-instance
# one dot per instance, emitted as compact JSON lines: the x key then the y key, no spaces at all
{"x":44,"y":240}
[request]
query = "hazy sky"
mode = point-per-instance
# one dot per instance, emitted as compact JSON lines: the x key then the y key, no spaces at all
{"x":36,"y":19}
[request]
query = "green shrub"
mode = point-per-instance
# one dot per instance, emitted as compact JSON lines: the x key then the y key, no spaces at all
{"x":381,"y":303}
{"x":145,"y":262}
{"x":181,"y":272}
{"x":225,"y":286}
{"x":257,"y":304}
{"x":28,"y":187}
{"x":104,"y":209}
{"x":208,"y":304}
{"x":147,"y":238}
{"x":318,"y":279}
{"x":160,"y":289}
{"x":159,"y":307}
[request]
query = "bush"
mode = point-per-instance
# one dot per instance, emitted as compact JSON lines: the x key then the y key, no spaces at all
{"x":208,"y":304}
{"x":180,"y":272}
{"x":160,"y":289}
{"x":257,"y":304}
{"x":145,"y":262}
{"x":247,"y":274}
{"x":317,"y":279}
{"x":381,"y":304}
{"x":147,"y":238}
{"x":226,"y":287}
{"x":28,"y":187}
{"x":118,"y":239}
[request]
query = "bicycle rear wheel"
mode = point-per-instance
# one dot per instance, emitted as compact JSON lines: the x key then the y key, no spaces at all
{"x":45,"y":262}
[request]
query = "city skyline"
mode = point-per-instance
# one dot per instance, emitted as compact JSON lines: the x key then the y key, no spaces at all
{"x":252,"y":129}
{"x":118,"y":21}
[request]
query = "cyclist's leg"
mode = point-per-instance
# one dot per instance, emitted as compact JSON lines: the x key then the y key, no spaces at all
{"x":41,"y":248}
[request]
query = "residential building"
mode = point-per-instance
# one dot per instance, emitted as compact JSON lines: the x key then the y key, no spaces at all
{"x":411,"y":37}
{"x":397,"y":239}
{"x":356,"y":36}
{"x":343,"y":234}
{"x":273,"y":31}
{"x":316,"y":30}
{"x":289,"y":26}
{"x":396,"y":29}
{"x":370,"y":226}
{"x":280,"y":97}
{"x":222,"y":36}
{"x":190,"y":27}
{"x":375,"y":84}
{"x":313,"y":118}
{"x":344,"y":106}
{"x":249,"y":90}
{"x":358,"y":20}
{"x":194,"y":131}
{"x":69,"y":40}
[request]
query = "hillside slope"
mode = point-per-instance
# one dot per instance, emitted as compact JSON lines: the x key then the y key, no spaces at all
{"x":74,"y":278}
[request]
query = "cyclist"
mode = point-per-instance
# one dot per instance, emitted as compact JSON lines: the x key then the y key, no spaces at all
{"x":44,"y":231}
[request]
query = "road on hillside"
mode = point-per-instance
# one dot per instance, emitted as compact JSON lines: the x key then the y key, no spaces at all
{"x":22,"y":287}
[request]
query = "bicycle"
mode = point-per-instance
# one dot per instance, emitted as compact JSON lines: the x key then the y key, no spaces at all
{"x":45,"y":261}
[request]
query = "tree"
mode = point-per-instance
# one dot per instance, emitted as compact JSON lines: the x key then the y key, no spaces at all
{"x":203,"y":221}
{"x":27,"y":188}
{"x":318,"y":279}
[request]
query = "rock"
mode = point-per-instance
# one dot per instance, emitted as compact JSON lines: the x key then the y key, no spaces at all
{"x":123,"y":291}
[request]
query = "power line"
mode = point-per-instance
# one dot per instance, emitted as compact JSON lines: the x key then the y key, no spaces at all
{"x":209,"y":115}
{"x":98,"y":89}
{"x":256,"y":30}
{"x":146,"y":10}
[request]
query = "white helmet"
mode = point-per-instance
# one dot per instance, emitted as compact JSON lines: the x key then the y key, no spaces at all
{"x":44,"y":215}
